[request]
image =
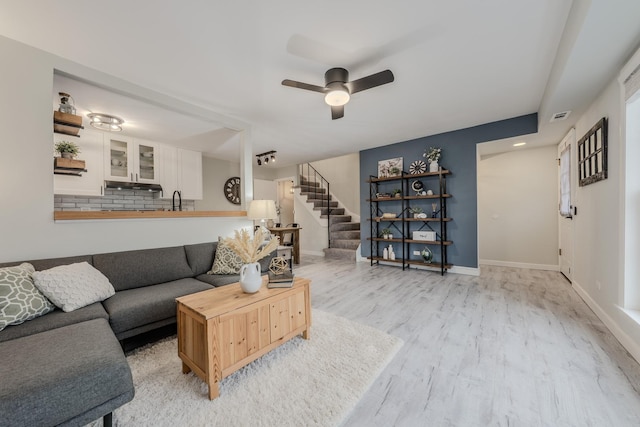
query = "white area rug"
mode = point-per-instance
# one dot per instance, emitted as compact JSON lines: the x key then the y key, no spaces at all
{"x":314,"y":382}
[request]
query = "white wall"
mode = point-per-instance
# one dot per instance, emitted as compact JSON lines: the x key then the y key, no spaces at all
{"x":599,"y":232}
{"x":215,"y":173}
{"x":517,"y":208}
{"x":343,"y":174}
{"x":26,"y":173}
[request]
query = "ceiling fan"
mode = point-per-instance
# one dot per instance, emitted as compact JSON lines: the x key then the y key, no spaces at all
{"x":338,"y":89}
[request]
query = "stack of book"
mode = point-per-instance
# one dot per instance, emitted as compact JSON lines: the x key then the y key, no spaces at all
{"x":284,"y":280}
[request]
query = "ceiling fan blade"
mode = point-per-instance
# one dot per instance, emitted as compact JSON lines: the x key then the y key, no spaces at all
{"x":306,"y":86}
{"x":337,"y":112}
{"x":377,"y":79}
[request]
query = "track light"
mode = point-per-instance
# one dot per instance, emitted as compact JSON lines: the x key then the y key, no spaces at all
{"x":265,"y":158}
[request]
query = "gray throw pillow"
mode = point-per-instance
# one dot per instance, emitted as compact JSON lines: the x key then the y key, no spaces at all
{"x":20,"y":300}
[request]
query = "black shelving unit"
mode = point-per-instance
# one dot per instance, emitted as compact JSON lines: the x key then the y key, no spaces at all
{"x":404,"y":223}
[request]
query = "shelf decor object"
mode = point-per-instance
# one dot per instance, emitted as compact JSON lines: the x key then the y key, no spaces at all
{"x":390,"y":168}
{"x":592,"y":154}
{"x":432,"y":154}
{"x":417,"y":167}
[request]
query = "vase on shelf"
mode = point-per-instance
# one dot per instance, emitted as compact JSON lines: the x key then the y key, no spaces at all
{"x":250,"y":279}
{"x":434,"y":166}
{"x":66,"y":155}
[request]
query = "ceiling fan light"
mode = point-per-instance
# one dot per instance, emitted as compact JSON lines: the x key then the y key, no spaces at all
{"x":273,"y":158}
{"x":336,"y":98}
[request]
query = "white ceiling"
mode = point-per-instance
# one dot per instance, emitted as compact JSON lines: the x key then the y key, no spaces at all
{"x":456,"y":64}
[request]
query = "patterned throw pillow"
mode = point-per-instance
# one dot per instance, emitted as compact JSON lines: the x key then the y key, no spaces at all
{"x":226,"y":260}
{"x":73,"y":286}
{"x":20,"y":300}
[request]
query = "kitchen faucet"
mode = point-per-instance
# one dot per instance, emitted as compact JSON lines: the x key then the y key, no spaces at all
{"x":174,"y":200}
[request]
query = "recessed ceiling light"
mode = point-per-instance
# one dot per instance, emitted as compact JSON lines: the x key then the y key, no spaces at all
{"x":519,"y":144}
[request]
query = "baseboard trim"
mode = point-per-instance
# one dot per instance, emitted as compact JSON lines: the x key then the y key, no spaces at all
{"x":627,"y":342}
{"x":469,"y":271}
{"x":549,"y":267}
{"x":314,"y":253}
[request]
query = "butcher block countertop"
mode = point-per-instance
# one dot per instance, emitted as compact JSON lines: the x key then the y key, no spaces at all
{"x":79,"y":215}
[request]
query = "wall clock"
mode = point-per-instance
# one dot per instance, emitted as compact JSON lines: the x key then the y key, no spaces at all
{"x":417,"y":167}
{"x":232,"y":190}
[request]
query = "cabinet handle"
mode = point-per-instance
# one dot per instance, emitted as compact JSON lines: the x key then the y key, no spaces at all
{"x":131,"y":176}
{"x":136,"y":176}
{"x":101,"y":189}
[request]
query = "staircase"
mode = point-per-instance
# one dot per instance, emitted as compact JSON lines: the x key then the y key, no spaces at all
{"x":344,"y":235}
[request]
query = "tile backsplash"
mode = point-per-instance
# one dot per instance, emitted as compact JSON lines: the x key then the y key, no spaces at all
{"x":117,"y":200}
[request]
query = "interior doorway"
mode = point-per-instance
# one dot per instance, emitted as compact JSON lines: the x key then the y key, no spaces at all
{"x":285,"y":201}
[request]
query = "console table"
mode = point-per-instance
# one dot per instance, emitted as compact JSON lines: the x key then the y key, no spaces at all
{"x":280,"y":231}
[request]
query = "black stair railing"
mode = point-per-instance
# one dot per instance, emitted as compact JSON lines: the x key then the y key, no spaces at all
{"x":316,"y":185}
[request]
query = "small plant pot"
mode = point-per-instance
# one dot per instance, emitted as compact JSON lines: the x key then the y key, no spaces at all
{"x":66,"y":155}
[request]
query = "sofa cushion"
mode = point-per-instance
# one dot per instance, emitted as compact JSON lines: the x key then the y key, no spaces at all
{"x":132,"y":308}
{"x":20,"y":300}
{"x":219,"y":279}
{"x":73,"y":286}
{"x":135,"y":269}
{"x":200,"y":256}
{"x":55,"y":319}
{"x":56,"y":375}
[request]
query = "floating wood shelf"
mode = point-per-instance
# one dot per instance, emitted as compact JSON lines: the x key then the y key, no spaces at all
{"x":67,"y":124}
{"x":63,"y":166}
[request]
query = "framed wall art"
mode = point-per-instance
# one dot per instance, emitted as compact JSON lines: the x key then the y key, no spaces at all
{"x":390,"y":168}
{"x":592,"y":154}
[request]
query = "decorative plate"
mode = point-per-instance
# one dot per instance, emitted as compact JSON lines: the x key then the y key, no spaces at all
{"x":417,"y":167}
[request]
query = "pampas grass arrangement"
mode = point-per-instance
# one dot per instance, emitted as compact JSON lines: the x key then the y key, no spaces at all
{"x":251,"y":250}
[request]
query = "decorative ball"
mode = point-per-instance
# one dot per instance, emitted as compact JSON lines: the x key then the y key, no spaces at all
{"x":278,"y":265}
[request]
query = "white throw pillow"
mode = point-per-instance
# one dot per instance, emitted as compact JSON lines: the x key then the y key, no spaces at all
{"x":73,"y":286}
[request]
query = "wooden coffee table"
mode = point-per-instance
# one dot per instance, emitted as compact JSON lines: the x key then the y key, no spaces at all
{"x":223,"y":329}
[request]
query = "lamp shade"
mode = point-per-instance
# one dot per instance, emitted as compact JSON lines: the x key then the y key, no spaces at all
{"x":262,"y":209}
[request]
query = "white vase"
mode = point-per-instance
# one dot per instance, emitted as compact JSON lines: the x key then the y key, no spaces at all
{"x":250,"y":279}
{"x":433,"y":166}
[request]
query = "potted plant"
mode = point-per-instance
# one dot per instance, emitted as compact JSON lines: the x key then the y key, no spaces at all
{"x":67,"y":150}
{"x":432,"y":154}
{"x":416,"y":211}
{"x":394,"y":171}
{"x":386,"y":233}
{"x":397,"y":193}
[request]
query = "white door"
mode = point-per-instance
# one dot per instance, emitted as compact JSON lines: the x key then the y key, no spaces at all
{"x":566,"y":202}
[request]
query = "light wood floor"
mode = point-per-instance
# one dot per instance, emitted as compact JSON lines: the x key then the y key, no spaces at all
{"x":512,"y":347}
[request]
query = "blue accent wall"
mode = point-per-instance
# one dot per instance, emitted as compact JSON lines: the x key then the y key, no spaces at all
{"x":459,"y":156}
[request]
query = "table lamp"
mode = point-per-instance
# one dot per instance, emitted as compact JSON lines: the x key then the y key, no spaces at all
{"x":262,"y":210}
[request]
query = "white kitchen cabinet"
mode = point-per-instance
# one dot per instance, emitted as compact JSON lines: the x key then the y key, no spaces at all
{"x":90,"y":182}
{"x":181,"y":171}
{"x":131,"y":160}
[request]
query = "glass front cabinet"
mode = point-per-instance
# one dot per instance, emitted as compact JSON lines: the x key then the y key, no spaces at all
{"x":131,"y":160}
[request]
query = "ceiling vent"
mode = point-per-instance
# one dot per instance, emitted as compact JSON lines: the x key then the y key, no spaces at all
{"x":559,"y":116}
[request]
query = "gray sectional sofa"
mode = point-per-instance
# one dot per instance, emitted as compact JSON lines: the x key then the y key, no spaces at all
{"x":69,"y":368}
